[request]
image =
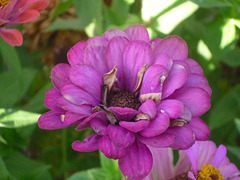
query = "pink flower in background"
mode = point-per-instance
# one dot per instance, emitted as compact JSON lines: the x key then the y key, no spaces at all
{"x":134,"y":93}
{"x":203,"y":161}
{"x":14,"y":12}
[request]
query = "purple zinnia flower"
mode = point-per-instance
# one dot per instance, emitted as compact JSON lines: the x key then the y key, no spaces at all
{"x":133,"y":93}
{"x":203,"y":161}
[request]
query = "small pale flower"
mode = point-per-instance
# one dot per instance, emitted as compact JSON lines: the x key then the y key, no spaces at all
{"x":134,"y":93}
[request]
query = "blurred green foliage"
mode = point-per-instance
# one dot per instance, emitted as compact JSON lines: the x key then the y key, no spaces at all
{"x":211,"y":30}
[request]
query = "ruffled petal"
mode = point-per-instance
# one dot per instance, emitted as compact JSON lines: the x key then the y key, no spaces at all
{"x":163,"y":60}
{"x":200,"y":129}
{"x":99,"y":125}
{"x":76,"y":54}
{"x":137,"y":163}
{"x":137,"y":32}
{"x":51,"y":120}
{"x":89,"y":144}
{"x":135,"y":56}
{"x":97,"y":40}
{"x":50,"y":100}
{"x":194,"y":67}
{"x":174,"y":47}
{"x":123,"y":114}
{"x":11,"y":36}
{"x":148,"y":108}
{"x":135,"y":126}
{"x":154,"y":42}
{"x":60,"y":75}
{"x":72,"y":118}
{"x":114,"y":33}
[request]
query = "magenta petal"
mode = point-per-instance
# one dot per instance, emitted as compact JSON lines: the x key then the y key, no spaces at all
{"x":89,"y":144}
{"x":184,"y":64}
{"x":135,"y":126}
{"x":71,"y":118}
{"x":163,"y":60}
{"x":75,"y":54}
{"x":11,"y":36}
{"x":153,"y":78}
{"x":108,"y":148}
{"x":114,"y":33}
{"x":77,"y":96}
{"x":174,"y":47}
{"x":95,"y":55}
{"x":99,"y":125}
{"x":196,"y":99}
{"x":172,"y":107}
{"x":137,"y":32}
{"x":219,"y":156}
{"x":191,"y":175}
{"x":155,"y":42}
{"x":195,"y":67}
{"x":50,"y":100}
{"x":184,"y":137}
{"x":85,"y":76}
{"x":120,"y":136}
{"x":148,"y":108}
{"x":137,"y":163}
{"x":196,"y":80}
{"x":51,"y":120}
{"x":115,"y":57}
{"x":192,"y":154}
{"x":60,"y":75}
{"x":135,"y":55}
{"x":156,"y":126}
{"x":97,"y":40}
{"x":175,"y":79}
{"x":159,"y":141}
{"x":123,"y":114}
{"x":200,"y":129}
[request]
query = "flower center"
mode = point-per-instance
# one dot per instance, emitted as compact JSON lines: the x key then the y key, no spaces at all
{"x":3,"y":3}
{"x":209,"y":172}
{"x":123,"y":99}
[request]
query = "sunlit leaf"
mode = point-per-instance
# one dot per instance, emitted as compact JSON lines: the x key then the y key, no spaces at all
{"x":212,"y":3}
{"x":237,"y":122}
{"x":228,"y":33}
{"x":90,"y":174}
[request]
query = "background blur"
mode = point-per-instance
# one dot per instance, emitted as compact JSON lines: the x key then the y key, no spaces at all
{"x":210,"y":28}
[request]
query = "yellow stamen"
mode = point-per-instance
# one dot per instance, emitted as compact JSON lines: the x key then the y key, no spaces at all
{"x":3,"y":3}
{"x":209,"y":172}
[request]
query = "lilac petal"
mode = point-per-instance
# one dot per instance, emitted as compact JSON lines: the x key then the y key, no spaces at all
{"x":99,"y":125}
{"x":123,"y":114}
{"x":137,"y":32}
{"x":154,"y":42}
{"x":89,"y":144}
{"x":114,"y":33}
{"x":148,"y":108}
{"x":71,"y":118}
{"x":51,"y":120}
{"x":137,"y":163}
{"x":115,"y":57}
{"x":120,"y":136}
{"x":95,"y":55}
{"x":191,"y":175}
{"x":174,"y":47}
{"x":111,"y":151}
{"x":184,"y":137}
{"x":183,"y":164}
{"x":135,"y":56}
{"x":159,"y":141}
{"x":60,"y":75}
{"x":172,"y":107}
{"x":157,"y":125}
{"x":87,"y":79}
{"x":200,"y":129}
{"x":196,"y":99}
{"x":66,"y":105}
{"x":219,"y":156}
{"x":134,"y":126}
{"x":195,"y":67}
{"x":97,"y":40}
{"x":77,"y":96}
{"x":75,"y":54}
{"x":192,"y":154}
{"x":196,"y":80}
{"x":229,"y":171}
{"x":50,"y":100}
{"x":175,"y":79}
{"x":153,"y":79}
{"x":163,"y":60}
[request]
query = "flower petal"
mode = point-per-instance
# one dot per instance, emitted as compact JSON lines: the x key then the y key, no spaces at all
{"x":163,"y":60}
{"x":40,"y":5}
{"x":50,"y":100}
{"x":99,"y":125}
{"x":51,"y":120}
{"x":230,"y":171}
{"x":111,"y":151}
{"x":75,"y":54}
{"x":114,"y":33}
{"x":123,"y":114}
{"x":89,"y":144}
{"x":137,"y":32}
{"x":97,"y":40}
{"x":11,"y":36}
{"x":200,"y":129}
{"x":148,"y":108}
{"x":192,"y":154}
{"x":71,"y":118}
{"x":174,"y":47}
{"x":120,"y":136}
{"x":137,"y":163}
{"x":195,"y":67}
{"x":219,"y":156}
{"x":154,"y":42}
{"x":60,"y":75}
{"x":156,"y":126}
{"x":135,"y":56}
{"x":135,"y":126}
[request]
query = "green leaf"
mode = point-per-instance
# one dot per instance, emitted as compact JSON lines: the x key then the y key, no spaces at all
{"x":237,"y":122}
{"x":67,"y":24}
{"x":212,"y":3}
{"x":4,"y":174}
{"x":232,"y":58}
{"x":10,"y":118}
{"x":61,"y":8}
{"x":228,"y":34}
{"x":235,"y":151}
{"x":226,"y":109}
{"x":91,"y":174}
